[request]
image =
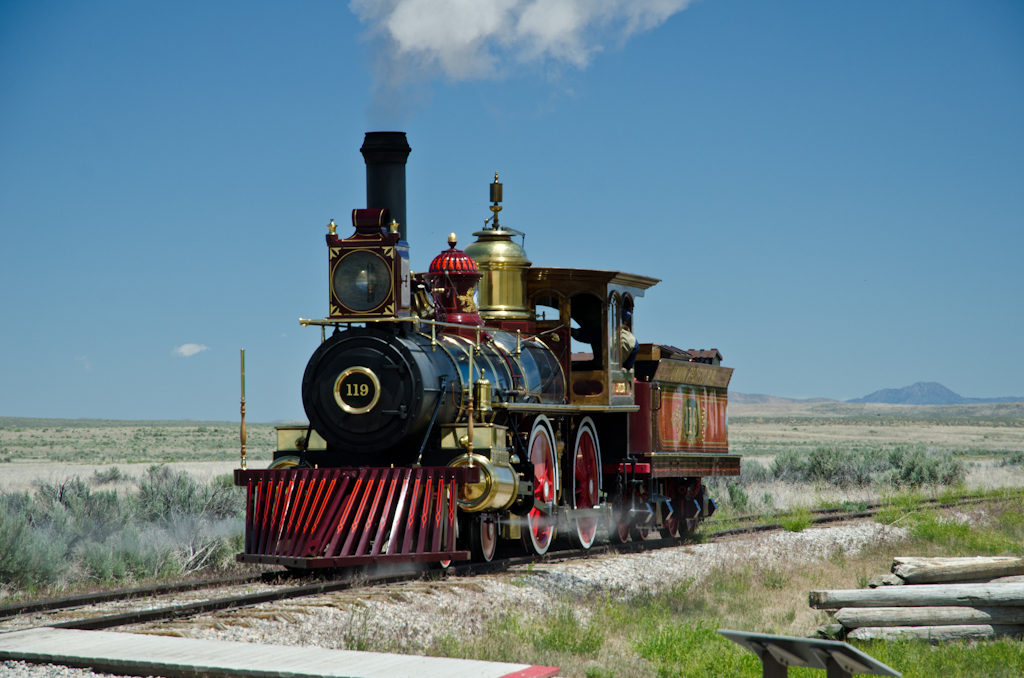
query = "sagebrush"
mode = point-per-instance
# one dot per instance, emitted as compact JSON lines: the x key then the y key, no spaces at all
{"x":66,"y":532}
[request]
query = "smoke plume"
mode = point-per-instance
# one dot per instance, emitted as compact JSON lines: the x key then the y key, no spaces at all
{"x":484,"y":39}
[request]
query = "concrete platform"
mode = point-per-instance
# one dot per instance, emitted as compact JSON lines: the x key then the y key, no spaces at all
{"x":147,"y":655}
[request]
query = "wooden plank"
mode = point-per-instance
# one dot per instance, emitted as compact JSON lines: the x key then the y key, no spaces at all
{"x":286,"y":508}
{"x":857,"y":617}
{"x":401,"y":509}
{"x":970,"y":595}
{"x":286,"y":542}
{"x":934,"y":570}
{"x":360,"y":495}
{"x":936,"y":634}
{"x":425,"y":508}
{"x":326,"y":501}
{"x":414,"y":510}
{"x":546,"y":408}
{"x":250,"y":512}
{"x":383,"y":522}
{"x":301,"y":534}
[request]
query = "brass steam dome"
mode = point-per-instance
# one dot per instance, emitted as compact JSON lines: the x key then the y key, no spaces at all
{"x":503,"y":263}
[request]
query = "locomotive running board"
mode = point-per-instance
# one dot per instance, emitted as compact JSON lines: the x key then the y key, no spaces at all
{"x":314,"y":518}
{"x":679,"y":465}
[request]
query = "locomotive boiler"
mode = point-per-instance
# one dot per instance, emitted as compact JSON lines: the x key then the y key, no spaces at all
{"x":484,"y":400}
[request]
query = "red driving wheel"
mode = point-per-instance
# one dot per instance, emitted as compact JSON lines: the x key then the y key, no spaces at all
{"x":586,"y":483}
{"x":540,"y":526}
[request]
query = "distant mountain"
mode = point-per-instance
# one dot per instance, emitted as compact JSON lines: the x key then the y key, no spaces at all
{"x":761,"y":399}
{"x":925,"y":393}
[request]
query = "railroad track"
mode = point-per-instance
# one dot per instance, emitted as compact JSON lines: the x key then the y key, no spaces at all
{"x":832,"y":515}
{"x":271,"y":589}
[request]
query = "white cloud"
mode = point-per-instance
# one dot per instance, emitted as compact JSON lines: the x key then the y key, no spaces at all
{"x":85,"y":362}
{"x":475,"y":39}
{"x":188,"y":350}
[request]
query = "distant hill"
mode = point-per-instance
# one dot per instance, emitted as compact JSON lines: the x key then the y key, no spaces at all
{"x":762,"y":399}
{"x":926,"y":393}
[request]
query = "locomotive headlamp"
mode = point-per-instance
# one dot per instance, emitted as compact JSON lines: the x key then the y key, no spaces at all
{"x":362,"y":280}
{"x":369,"y":271}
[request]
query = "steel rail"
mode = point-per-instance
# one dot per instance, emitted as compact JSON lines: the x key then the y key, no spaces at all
{"x":867,"y":506}
{"x":227,"y":603}
{"x":50,"y":604}
{"x":469,"y":569}
{"x":248,"y":600}
{"x":842,"y":517}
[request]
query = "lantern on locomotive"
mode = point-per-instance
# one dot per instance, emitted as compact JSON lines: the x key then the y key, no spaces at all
{"x":369,"y":271}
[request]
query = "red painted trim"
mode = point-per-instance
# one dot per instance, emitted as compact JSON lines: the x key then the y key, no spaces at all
{"x":642,"y":468}
{"x":535,"y":672}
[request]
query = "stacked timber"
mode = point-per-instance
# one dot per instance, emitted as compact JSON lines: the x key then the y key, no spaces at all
{"x":934,"y":599}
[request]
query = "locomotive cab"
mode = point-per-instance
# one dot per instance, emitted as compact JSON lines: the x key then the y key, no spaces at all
{"x":594,"y":310}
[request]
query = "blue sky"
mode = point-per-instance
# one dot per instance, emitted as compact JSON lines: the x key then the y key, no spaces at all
{"x":832,"y":193}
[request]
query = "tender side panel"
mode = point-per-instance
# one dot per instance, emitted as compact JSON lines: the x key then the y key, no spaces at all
{"x":680,"y":427}
{"x":690,"y":419}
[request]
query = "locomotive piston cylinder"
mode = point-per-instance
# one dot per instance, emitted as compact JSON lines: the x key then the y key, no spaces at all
{"x":496,"y":490}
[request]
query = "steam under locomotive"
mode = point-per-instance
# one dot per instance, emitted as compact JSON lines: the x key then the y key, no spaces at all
{"x":448,"y":410}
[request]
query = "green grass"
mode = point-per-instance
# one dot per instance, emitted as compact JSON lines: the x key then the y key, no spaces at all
{"x":1004,"y":535}
{"x":797,"y":520}
{"x":992,"y":659}
{"x":695,"y":651}
{"x":564,"y":633}
{"x":1002,"y":532}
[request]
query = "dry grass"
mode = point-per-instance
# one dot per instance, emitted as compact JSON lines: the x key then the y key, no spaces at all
{"x":101,"y":442}
{"x":983,"y":436}
{"x":991,"y":429}
{"x":51,"y":450}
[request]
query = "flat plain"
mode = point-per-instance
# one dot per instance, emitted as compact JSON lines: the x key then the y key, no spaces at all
{"x":987,"y":439}
{"x":978,"y":430}
{"x":50,"y":449}
{"x":986,"y":435}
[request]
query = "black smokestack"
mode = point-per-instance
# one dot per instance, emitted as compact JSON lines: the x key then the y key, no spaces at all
{"x":385,"y":154}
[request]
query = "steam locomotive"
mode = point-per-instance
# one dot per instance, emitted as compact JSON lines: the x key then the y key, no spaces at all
{"x":449,"y":410}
